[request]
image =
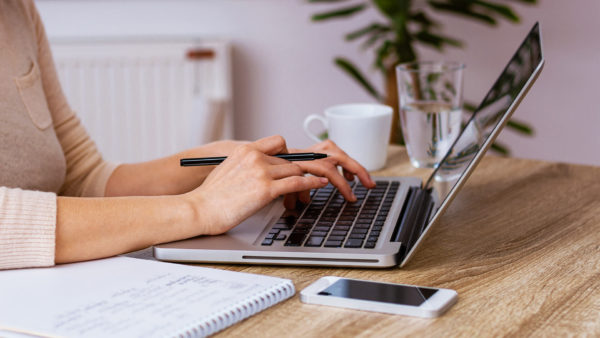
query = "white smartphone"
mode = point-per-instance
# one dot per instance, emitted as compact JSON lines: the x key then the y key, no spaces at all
{"x":391,"y":298}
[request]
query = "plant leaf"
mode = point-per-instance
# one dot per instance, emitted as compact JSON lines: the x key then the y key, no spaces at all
{"x":382,"y":52}
{"x":435,"y":40}
{"x":372,"y":40}
{"x":393,"y":8}
{"x":529,"y":2}
{"x":500,"y":148}
{"x":422,"y":19}
{"x":353,"y":71}
{"x":469,"y":106}
{"x":372,"y":28}
{"x":463,"y":10}
{"x":520,"y":127}
{"x":503,"y":10}
{"x":344,"y":12}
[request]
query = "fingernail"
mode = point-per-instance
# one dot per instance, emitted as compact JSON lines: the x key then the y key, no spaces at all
{"x":353,"y":197}
{"x":324,"y":180}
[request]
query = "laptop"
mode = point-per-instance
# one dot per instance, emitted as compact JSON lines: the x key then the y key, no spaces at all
{"x":388,"y":223}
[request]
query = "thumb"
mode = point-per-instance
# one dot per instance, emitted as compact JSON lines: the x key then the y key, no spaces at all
{"x":271,"y":145}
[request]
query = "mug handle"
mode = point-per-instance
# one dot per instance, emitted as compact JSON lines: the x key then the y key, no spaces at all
{"x":307,"y":122}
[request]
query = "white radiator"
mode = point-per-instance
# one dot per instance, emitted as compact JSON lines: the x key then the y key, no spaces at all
{"x":141,"y":100}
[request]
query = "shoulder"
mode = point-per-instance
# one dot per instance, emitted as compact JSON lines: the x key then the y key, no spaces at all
{"x":24,"y":9}
{"x":28,"y":6}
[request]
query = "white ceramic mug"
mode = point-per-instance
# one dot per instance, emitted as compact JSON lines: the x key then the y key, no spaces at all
{"x":362,"y":130}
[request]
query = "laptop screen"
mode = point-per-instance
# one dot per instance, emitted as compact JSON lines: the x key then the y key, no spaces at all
{"x":485,"y":121}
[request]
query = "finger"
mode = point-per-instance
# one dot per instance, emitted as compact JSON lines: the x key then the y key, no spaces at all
{"x":275,"y":160}
{"x":329,"y":170}
{"x":289,"y":201}
{"x":350,"y":165}
{"x":304,"y":196}
{"x":348,"y":175}
{"x":284,"y":170}
{"x":293,"y":184}
{"x":337,"y":155}
{"x":271,"y":145}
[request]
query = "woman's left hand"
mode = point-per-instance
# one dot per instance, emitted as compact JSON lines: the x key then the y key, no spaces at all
{"x":328,"y":167}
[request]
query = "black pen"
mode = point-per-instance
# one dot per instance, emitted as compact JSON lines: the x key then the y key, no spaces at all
{"x":191,"y":162}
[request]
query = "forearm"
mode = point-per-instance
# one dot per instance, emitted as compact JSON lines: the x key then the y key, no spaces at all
{"x":90,"y":228}
{"x":164,"y":176}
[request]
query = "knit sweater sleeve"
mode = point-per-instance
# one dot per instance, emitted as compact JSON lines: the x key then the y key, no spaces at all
{"x":87,"y":172}
{"x":27,"y":228}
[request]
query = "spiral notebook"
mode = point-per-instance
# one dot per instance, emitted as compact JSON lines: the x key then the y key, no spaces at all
{"x":128,"y":297}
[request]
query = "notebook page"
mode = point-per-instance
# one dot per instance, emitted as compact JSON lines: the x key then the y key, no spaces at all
{"x":121,"y":297}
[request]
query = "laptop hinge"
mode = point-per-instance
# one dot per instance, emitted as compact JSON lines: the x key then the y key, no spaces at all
{"x":413,"y":218}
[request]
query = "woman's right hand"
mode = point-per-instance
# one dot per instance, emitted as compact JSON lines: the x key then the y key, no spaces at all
{"x":249,"y":179}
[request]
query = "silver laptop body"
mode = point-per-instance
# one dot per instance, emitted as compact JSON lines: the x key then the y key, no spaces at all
{"x":415,"y":207}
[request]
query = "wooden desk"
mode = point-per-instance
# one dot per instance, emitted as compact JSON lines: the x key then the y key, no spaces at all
{"x":520,"y":244}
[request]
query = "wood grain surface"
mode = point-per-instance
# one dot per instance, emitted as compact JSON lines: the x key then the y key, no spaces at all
{"x":520,"y":244}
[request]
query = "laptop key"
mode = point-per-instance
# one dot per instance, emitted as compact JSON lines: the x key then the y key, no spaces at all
{"x":280,"y":237}
{"x":290,"y":220}
{"x":267,"y":242}
{"x":372,"y":238}
{"x":336,"y":238}
{"x":282,"y":227}
{"x":270,"y":236}
{"x":295,"y":239}
{"x":333,"y":244}
{"x":301,"y":231}
{"x":370,"y":244}
{"x":344,"y":222}
{"x":339,"y":232}
{"x":359,"y":236}
{"x":314,"y":241}
{"x":359,"y":231}
{"x":353,"y":243}
{"x":324,"y":222}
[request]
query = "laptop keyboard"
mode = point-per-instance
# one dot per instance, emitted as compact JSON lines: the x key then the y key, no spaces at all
{"x":330,"y":221}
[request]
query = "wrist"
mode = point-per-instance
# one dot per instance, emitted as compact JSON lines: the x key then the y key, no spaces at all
{"x":180,"y":219}
{"x":199,"y":216}
{"x":190,"y":215}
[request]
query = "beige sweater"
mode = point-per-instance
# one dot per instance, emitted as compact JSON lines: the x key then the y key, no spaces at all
{"x":44,"y":150}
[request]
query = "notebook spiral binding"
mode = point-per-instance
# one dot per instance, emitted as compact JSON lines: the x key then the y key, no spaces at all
{"x":240,"y":311}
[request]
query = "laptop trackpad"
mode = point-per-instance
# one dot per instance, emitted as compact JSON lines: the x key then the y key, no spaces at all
{"x":253,"y":226}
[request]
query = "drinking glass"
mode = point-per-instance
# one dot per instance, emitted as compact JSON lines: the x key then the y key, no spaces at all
{"x":430,"y":109}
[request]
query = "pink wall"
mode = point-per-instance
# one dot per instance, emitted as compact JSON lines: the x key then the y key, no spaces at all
{"x":283,"y":69}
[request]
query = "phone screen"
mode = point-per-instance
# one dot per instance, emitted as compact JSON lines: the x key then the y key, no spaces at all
{"x":379,"y":292}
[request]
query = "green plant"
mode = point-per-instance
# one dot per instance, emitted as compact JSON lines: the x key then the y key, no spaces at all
{"x":409,"y":22}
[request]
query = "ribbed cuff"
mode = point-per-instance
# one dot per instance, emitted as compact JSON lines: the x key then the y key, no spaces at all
{"x":27,"y":228}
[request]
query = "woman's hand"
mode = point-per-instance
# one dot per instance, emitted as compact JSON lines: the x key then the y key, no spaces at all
{"x":245,"y":182}
{"x":328,"y":167}
{"x":164,"y":176}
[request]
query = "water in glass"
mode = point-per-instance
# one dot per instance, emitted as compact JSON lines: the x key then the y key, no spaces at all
{"x":429,"y":129}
